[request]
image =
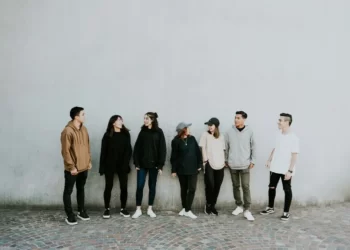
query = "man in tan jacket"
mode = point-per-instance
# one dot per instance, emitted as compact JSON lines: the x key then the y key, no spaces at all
{"x":77,"y":161}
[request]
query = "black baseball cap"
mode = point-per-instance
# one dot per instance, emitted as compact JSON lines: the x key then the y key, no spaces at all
{"x":213,"y":121}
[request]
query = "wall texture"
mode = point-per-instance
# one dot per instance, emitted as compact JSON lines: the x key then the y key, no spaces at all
{"x":187,"y":60}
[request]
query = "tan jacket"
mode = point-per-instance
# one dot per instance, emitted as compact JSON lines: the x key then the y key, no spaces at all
{"x":75,"y":148}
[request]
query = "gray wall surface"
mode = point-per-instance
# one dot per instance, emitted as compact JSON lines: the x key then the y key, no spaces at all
{"x":187,"y":60}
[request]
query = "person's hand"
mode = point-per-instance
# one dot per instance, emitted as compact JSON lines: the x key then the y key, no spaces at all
{"x":251,"y":165}
{"x":173,"y":174}
{"x":199,"y":169}
{"x":287,"y":176}
{"x":205,"y":163}
{"x":160,"y":171}
{"x":268,"y":163}
{"x":90,"y":166}
{"x":74,"y":171}
{"x":226,"y":164}
{"x":137,"y":168}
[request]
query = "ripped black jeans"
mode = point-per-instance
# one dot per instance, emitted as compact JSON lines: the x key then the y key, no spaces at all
{"x":288,"y":195}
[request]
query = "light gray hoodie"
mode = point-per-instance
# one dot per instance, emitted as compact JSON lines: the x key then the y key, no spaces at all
{"x":240,"y":148}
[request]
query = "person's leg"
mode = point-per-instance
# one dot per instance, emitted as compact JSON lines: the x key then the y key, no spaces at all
{"x":69,"y":181}
{"x":191,"y":186}
{"x":288,"y":195}
{"x":236,"y":185}
{"x":141,"y":179}
{"x":209,"y":184}
{"x":245,"y":178}
{"x":152,"y":183}
{"x":123,"y":183}
{"x":218,"y":179}
{"x":109,"y":178}
{"x":274,"y":179}
{"x":183,"y":189}
{"x":81,"y":180}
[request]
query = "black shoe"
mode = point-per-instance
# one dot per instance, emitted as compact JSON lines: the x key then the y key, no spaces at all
{"x":71,"y":220}
{"x":124,"y":213}
{"x":83,"y":215}
{"x":107,"y":214}
{"x":207,"y":209}
{"x":214,"y":211}
{"x":285,"y":216}
{"x":268,"y":210}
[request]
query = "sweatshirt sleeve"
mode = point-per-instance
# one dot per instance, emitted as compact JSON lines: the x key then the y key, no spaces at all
{"x":137,"y":148}
{"x":227,"y":146}
{"x":199,"y":155}
{"x":103,"y":154}
{"x":128,"y":152}
{"x":203,"y":145}
{"x":66,"y":142}
{"x":252,"y":149}
{"x":162,"y":151}
{"x":174,"y":155}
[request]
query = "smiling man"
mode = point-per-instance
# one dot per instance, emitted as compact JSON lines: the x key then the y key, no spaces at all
{"x":282,"y":164}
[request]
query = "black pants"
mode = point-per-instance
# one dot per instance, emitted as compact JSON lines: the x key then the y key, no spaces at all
{"x":188,"y":185}
{"x":123,"y":183}
{"x":70,"y":180}
{"x":152,"y":182}
{"x":213,"y":180}
{"x":288,"y":195}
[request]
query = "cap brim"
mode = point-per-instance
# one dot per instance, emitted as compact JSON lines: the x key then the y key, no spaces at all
{"x":208,"y":123}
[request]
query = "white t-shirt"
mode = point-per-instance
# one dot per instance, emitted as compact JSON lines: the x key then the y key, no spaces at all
{"x":213,"y":150}
{"x":286,"y":144}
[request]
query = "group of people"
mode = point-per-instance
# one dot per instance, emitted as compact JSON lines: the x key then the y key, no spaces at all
{"x":235,"y":150}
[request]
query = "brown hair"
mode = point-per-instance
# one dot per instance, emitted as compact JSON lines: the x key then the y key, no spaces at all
{"x":216,"y":133}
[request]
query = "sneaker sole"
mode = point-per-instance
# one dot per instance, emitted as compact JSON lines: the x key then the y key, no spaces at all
{"x":235,"y":214}
{"x":71,"y":223}
{"x":283,"y":219}
{"x":125,"y":216}
{"x":106,"y":216}
{"x":267,"y":213}
{"x":84,"y":219}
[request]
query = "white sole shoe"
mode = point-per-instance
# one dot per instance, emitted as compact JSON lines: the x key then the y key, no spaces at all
{"x":71,"y":223}
{"x":84,"y":219}
{"x":106,"y":216}
{"x":151,"y":214}
{"x":182,"y":212}
{"x":125,"y":216}
{"x":237,"y":211}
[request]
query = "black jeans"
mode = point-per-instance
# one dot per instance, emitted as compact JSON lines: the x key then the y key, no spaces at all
{"x":288,"y":195}
{"x":213,"y":180}
{"x":70,"y":180}
{"x":152,"y":182}
{"x":188,"y":185}
{"x":123,"y":183}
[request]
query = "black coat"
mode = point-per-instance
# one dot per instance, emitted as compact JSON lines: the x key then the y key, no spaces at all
{"x":116,"y":153}
{"x":186,"y":157}
{"x":150,"y":148}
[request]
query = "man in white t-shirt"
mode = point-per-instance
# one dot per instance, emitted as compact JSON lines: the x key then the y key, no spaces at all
{"x":282,"y":164}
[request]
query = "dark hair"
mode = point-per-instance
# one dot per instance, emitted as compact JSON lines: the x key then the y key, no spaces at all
{"x":289,"y":116}
{"x":216,"y":133}
{"x":75,"y":112}
{"x":154,"y":118}
{"x":110,"y":126}
{"x":181,"y":134}
{"x":243,"y":114}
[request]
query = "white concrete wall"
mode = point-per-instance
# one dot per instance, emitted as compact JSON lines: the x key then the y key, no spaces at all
{"x":187,"y":60}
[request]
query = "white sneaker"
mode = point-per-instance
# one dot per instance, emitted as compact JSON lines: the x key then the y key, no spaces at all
{"x":182,"y":212}
{"x":238,"y":210}
{"x":190,"y":215}
{"x":151,"y":213}
{"x":248,"y":215}
{"x":137,"y":214}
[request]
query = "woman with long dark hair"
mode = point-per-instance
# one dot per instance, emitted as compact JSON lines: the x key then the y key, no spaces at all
{"x":213,"y":151}
{"x":149,"y":157}
{"x":186,"y":162}
{"x":115,"y":157}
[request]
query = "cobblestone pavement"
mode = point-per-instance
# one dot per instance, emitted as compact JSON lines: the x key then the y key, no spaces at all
{"x":309,"y":228}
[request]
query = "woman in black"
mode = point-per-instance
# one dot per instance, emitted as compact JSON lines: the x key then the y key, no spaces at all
{"x":186,"y":162}
{"x":115,"y":157}
{"x":149,"y":157}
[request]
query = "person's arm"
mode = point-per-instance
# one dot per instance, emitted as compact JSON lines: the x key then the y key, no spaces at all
{"x":89,"y":148}
{"x":162,"y":151}
{"x":252,"y":151}
{"x":295,"y":152}
{"x":103,"y":154}
{"x":203,"y":146}
{"x":174,"y":155}
{"x":66,"y":142}
{"x":227,"y":146}
{"x":293,"y":162}
{"x":199,"y":155}
{"x":137,"y":149}
{"x":128,"y":151}
{"x":270,"y":159}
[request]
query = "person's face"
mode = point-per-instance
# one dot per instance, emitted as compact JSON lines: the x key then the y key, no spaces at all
{"x":211,"y":128}
{"x":283,"y":122}
{"x":118,"y":123}
{"x":147,"y":120}
{"x":188,"y":131}
{"x":81,"y":117}
{"x":239,"y":121}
